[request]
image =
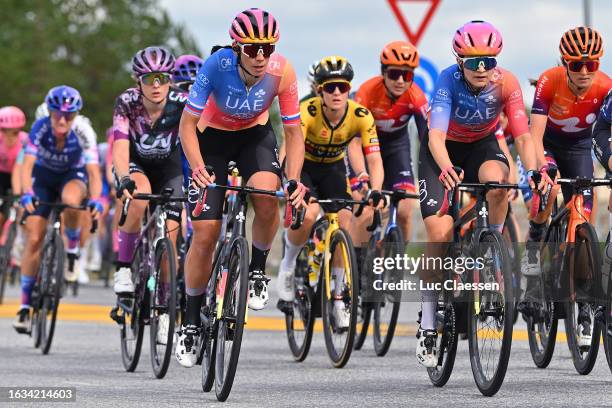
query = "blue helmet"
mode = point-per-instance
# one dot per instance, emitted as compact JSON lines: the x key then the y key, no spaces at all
{"x":64,"y":98}
{"x":186,"y":68}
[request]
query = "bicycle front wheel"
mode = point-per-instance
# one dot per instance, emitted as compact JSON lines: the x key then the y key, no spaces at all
{"x":208,"y":316}
{"x":233,"y":315}
{"x":387,"y":310}
{"x":132,"y":323}
{"x":339,"y":299}
{"x":52,"y":271}
{"x":162,"y":307}
{"x":582,"y":329}
{"x":299,"y":322}
{"x":492,"y":306}
{"x":364,"y":308}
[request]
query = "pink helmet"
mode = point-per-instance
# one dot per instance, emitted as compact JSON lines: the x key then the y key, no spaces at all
{"x":152,"y":59}
{"x":477,"y":39}
{"x":254,"y":26}
{"x":11,"y":117}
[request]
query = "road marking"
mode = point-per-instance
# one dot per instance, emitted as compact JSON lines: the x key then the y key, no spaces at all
{"x":100,"y":314}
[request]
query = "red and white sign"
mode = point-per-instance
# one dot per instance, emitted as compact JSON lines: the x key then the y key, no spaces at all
{"x":414,"y":36}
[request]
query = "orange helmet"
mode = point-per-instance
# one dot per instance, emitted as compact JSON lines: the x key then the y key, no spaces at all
{"x":581,"y":43}
{"x":400,"y":53}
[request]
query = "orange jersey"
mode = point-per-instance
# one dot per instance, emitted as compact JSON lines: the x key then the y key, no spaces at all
{"x":392,"y":116}
{"x":569,"y":116}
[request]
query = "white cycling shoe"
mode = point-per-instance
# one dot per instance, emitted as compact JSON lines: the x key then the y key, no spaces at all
{"x":342,"y":317}
{"x":163,"y":323}
{"x":285,"y":286}
{"x":258,"y":290}
{"x":427,"y":349}
{"x":186,"y":351}
{"x":123,"y":281}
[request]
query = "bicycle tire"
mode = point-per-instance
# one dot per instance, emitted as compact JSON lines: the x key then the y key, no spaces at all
{"x":364,"y":309}
{"x":5,"y":258}
{"x":237,"y":300}
{"x":446,"y":321}
{"x":209,"y":338}
{"x":339,"y":359}
{"x":490,"y":384}
{"x":542,"y":327}
{"x":584,"y":363}
{"x":160,"y":360}
{"x":133,"y":324}
{"x":36,"y":304}
{"x":393,"y":241}
{"x":511,"y":237}
{"x":607,"y":337}
{"x":302,"y":309}
{"x":53,"y":261}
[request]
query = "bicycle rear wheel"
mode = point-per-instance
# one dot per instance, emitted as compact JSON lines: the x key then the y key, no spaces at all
{"x":490,"y":318}
{"x":299,"y":322}
{"x":162,"y":302}
{"x":580,"y":315}
{"x":5,"y":258}
{"x":446,"y":325}
{"x":511,"y":238}
{"x":132,"y":324}
{"x":231,"y":325}
{"x":339,"y":340}
{"x":208,"y":316}
{"x":52,"y":270}
{"x":542,"y":320}
{"x":386,"y":311}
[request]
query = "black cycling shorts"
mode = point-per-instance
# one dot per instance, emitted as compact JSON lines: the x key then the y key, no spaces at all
{"x":162,"y":174}
{"x":468,"y":156}
{"x":253,"y":149}
{"x":327,"y":181}
{"x":5,"y":189}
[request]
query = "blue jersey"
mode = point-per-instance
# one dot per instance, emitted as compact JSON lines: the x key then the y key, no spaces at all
{"x":79,"y":148}
{"x":467,"y":117}
{"x":606,"y":108}
{"x":222,"y":101}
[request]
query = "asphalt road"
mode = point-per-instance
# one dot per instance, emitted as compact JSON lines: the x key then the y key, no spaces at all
{"x":86,"y":355}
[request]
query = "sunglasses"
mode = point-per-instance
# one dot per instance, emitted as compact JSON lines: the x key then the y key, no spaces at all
{"x":395,"y":74}
{"x":68,"y":116}
{"x":474,"y":64}
{"x":253,"y":50}
{"x":330,"y":87}
{"x":149,"y":79}
{"x":576,"y":66}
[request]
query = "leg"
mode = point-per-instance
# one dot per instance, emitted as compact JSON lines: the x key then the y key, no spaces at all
{"x":495,"y":171}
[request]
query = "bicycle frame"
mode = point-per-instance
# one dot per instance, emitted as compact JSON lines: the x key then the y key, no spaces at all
{"x":332,"y":219}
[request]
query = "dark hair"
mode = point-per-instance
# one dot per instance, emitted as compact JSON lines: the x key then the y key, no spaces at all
{"x":216,"y":48}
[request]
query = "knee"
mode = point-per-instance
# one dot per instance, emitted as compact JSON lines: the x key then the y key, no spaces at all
{"x":266,"y":208}
{"x":203,"y":242}
{"x":497,"y":195}
{"x":34,"y":241}
{"x":72,"y":199}
{"x":439,"y":235}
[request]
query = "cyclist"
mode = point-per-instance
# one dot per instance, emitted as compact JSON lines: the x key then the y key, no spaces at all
{"x":565,"y":106}
{"x":602,"y":146}
{"x":146,"y":155}
{"x":185,"y":70}
{"x":226,"y":118}
{"x":465,"y":109}
{"x":60,"y":162}
{"x":311,"y":81}
{"x":330,"y":122}
{"x":12,"y":140}
{"x":394,"y":98}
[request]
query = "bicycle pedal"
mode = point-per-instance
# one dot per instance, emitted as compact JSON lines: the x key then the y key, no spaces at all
{"x":116,"y":315}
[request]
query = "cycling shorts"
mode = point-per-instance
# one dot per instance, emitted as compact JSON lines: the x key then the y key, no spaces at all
{"x":5,"y":189}
{"x":48,"y":185}
{"x":327,"y":181}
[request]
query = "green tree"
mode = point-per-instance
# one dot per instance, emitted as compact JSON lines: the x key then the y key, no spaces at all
{"x":87,"y":44}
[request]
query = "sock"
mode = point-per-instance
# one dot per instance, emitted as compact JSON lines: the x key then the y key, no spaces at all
{"x":429,"y":304}
{"x":291,"y":254}
{"x":497,"y":227}
{"x":194,"y":304}
{"x":27,"y":283}
{"x":338,"y":274}
{"x":74,"y":236}
{"x":535,"y":231}
{"x":127,"y":245}
{"x":258,"y":258}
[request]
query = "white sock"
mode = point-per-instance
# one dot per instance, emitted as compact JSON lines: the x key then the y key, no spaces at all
{"x":291,"y":254}
{"x":429,"y":304}
{"x":338,"y":274}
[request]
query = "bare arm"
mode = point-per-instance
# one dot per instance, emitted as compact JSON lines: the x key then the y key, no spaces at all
{"x":294,"y":142}
{"x":16,"y":179}
{"x":121,"y":158}
{"x":95,"y":179}
{"x":537,"y":128}
{"x":377,"y":173}
{"x":355,"y":155}
{"x":26,"y":172}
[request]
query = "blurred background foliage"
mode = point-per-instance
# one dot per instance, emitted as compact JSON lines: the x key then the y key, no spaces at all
{"x":87,"y":44}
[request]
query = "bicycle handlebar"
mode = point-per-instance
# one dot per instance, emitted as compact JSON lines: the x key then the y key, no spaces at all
{"x":62,"y":207}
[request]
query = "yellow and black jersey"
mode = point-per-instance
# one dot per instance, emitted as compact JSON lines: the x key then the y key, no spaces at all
{"x":325,"y":143}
